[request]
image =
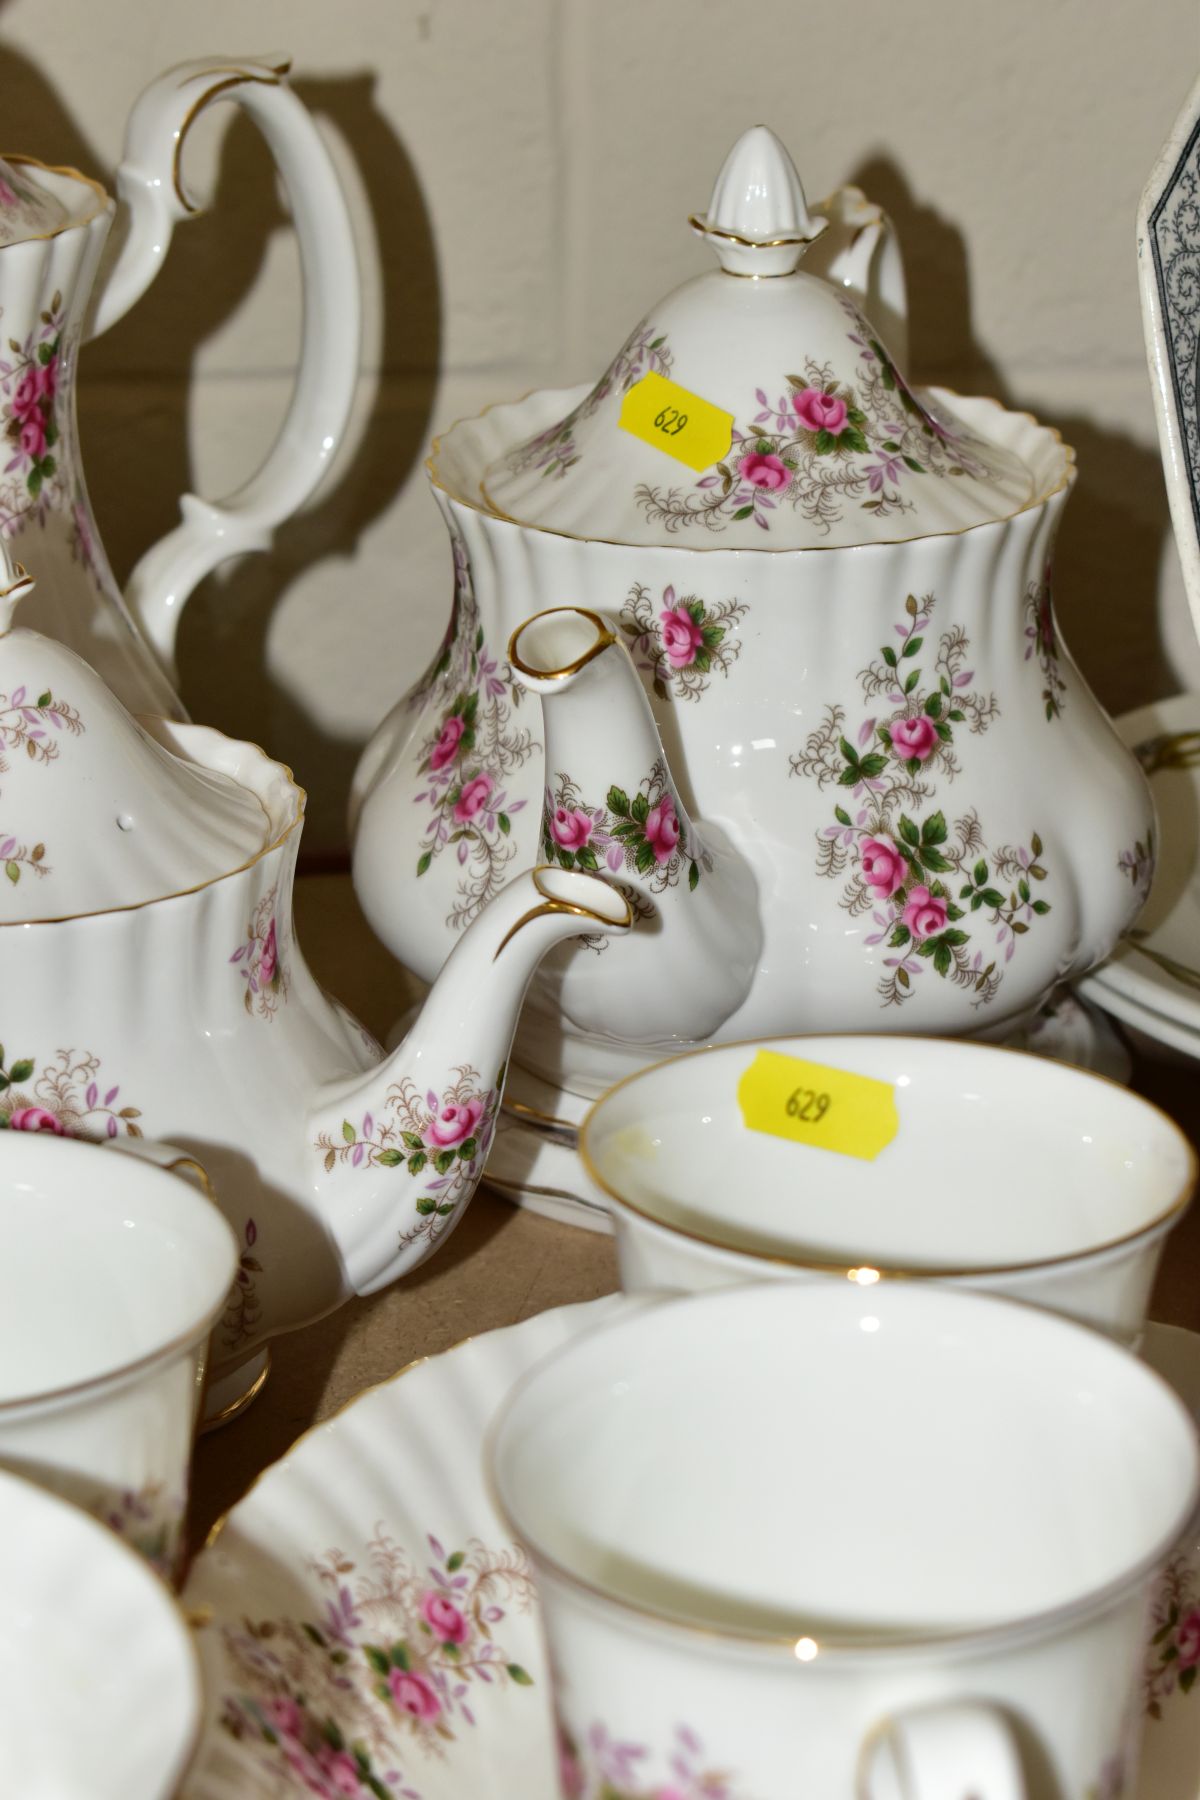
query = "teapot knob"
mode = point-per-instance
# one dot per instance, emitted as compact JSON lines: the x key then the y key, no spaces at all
{"x":758,"y":219}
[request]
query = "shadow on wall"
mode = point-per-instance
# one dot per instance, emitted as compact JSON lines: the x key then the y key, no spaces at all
{"x":135,"y":381}
{"x":1106,"y":581}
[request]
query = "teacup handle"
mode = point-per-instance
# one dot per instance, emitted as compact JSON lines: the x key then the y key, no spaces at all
{"x":963,"y":1750}
{"x":165,"y":1156}
{"x":150,"y":183}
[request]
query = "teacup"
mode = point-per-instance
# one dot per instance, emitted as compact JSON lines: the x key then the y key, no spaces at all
{"x":834,"y":1542}
{"x":1004,"y":1171}
{"x":100,"y":1693}
{"x":112,"y":1271}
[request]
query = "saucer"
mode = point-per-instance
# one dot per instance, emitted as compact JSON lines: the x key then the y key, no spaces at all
{"x":1155,"y":972}
{"x":367,"y":1626}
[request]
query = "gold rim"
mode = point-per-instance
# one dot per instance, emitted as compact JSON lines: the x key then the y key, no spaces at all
{"x":489,"y":510}
{"x":234,"y":77}
{"x":604,"y":640}
{"x":892,"y":1272}
{"x":701,"y":226}
{"x":234,"y":1408}
{"x":300,"y":799}
{"x":523,"y":1111}
{"x":71,"y":174}
{"x":552,"y":906}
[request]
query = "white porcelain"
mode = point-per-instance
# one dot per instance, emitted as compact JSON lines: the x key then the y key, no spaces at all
{"x":1168,"y":240}
{"x":27,"y":209}
{"x":1156,"y":968}
{"x":112,"y":1274}
{"x":99,"y":1685}
{"x":94,"y":813}
{"x":818,"y":1526}
{"x":747,"y":684}
{"x":51,"y":303}
{"x":1008,"y":1173}
{"x":191,"y":1018}
{"x":343,"y":1480}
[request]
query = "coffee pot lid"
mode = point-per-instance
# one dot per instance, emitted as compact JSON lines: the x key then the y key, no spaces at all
{"x":27,"y":208}
{"x":94,"y":814}
{"x":756,"y":407}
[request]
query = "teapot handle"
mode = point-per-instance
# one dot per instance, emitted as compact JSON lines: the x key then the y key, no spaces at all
{"x":151,"y":185}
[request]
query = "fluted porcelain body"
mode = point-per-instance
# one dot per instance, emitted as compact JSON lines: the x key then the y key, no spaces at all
{"x":194,"y":1020}
{"x":892,"y":736}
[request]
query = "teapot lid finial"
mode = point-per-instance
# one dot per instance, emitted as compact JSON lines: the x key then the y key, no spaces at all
{"x":758,"y":219}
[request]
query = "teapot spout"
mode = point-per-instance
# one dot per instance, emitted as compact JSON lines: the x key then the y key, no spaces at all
{"x":403,"y":1148}
{"x":613,"y":805}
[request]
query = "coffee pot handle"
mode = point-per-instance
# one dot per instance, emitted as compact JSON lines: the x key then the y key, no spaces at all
{"x":942,"y":1752}
{"x":151,"y":185}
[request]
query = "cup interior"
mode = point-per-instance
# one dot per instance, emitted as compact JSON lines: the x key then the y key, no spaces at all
{"x":1001,"y":1160}
{"x":104,"y":1260}
{"x":815,"y":1462}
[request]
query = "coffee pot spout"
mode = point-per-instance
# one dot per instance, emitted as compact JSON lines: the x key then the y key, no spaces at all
{"x":405,"y":1145}
{"x":613,"y":805}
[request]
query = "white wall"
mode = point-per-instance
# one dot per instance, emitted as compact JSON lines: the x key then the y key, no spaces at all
{"x":520,"y":171}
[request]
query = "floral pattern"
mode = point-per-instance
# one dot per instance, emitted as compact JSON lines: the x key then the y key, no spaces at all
{"x":643,"y":835}
{"x":1137,"y":865}
{"x":679,"y":642}
{"x":553,"y":451}
{"x":29,"y":725}
{"x":606,"y":1769}
{"x":150,"y":1520}
{"x":824,"y":445}
{"x":243,"y":1313}
{"x":469,"y":757}
{"x":927,"y":884}
{"x":444,"y":1140}
{"x":391,"y":1672}
{"x":1173,"y":1652}
{"x":67,"y":1099}
{"x":1041,"y":640}
{"x":261,"y":965}
{"x":29,"y":384}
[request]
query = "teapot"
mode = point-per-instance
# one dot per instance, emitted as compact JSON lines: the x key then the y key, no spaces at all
{"x":54,"y":223}
{"x":802,"y":690}
{"x":153,"y":990}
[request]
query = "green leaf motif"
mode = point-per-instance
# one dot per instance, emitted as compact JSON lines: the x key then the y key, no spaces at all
{"x":412,"y":1140}
{"x":504,"y":822}
{"x":841,"y":815}
{"x":523,"y":1679}
{"x":853,"y":439}
{"x":914,"y":465}
{"x":376,"y":1658}
{"x":889,"y":656}
{"x":942,"y":958}
{"x":417,"y":1163}
{"x":825,"y":443}
{"x":424,"y":861}
{"x":693,"y":876}
{"x":21,"y":1071}
{"x":467,"y":1149}
{"x":908,"y":830}
{"x":618,"y":802}
{"x":44,"y":699}
{"x":13,"y":871}
{"x":425,"y":1205}
{"x":455,"y":1562}
{"x":443,"y":1161}
{"x":391,"y":1159}
{"x":348,"y":1131}
{"x":743,"y":512}
{"x":640,"y":808}
{"x":934,"y":830}
{"x":912,"y":646}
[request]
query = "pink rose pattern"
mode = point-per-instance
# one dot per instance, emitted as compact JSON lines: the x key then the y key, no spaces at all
{"x":68,"y":1098}
{"x":603,"y":1767}
{"x":642,"y":835}
{"x":554,"y":451}
{"x":441,"y":1139}
{"x":1041,"y":641}
{"x":1172,"y":1657}
{"x":928,"y":887}
{"x":823,"y":445}
{"x":29,"y":384}
{"x":406,"y":1649}
{"x":468,"y":754}
{"x":680,"y":641}
{"x":259,"y":962}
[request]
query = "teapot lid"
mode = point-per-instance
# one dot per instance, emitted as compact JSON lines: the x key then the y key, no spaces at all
{"x":756,"y":407}
{"x":94,"y":814}
{"x":27,"y":208}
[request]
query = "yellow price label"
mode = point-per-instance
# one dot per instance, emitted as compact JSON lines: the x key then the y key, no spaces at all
{"x":833,"y":1109}
{"x":682,"y":425}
